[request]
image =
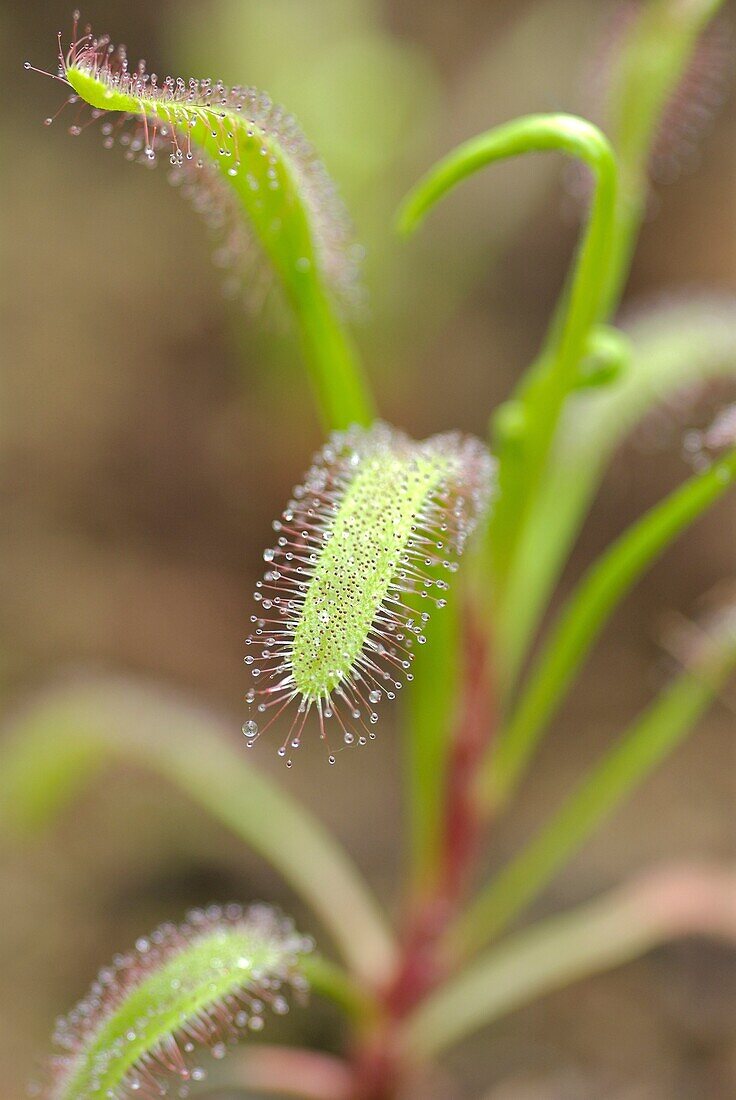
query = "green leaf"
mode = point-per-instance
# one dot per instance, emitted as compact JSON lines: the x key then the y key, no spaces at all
{"x":73,"y":730}
{"x":200,"y":984}
{"x":676,"y":345}
{"x":542,"y":392}
{"x":365,"y":549}
{"x":257,"y":157}
{"x":646,"y":743}
{"x":649,"y":64}
{"x":608,"y":932}
{"x":591,"y":604}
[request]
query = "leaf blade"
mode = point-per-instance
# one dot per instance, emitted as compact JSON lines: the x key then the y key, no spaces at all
{"x":587,"y":610}
{"x":676,"y":345}
{"x":542,"y":392}
{"x":595,"y":937}
{"x":647,"y":742}
{"x":113,"y":718}
{"x":203,"y":982}
{"x":266,"y":166}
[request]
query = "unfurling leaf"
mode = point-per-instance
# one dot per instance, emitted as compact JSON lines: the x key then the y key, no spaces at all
{"x":248,"y":165}
{"x":202,"y":984}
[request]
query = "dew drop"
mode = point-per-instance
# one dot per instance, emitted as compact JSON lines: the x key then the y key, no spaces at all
{"x":250,"y":729}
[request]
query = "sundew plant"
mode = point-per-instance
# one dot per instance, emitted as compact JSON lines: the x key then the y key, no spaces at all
{"x":412,"y":575}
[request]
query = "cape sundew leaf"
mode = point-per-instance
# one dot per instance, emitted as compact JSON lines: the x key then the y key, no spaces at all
{"x":246,"y":163}
{"x":255,"y":145}
{"x":198,"y":985}
{"x":364,"y":549}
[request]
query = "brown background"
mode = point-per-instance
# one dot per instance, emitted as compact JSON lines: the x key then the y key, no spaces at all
{"x":149,"y":434}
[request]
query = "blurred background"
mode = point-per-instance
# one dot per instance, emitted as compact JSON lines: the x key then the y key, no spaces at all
{"x":151,"y":429}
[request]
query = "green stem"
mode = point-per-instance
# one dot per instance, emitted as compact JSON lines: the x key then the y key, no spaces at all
{"x":579,"y":624}
{"x":650,"y":63}
{"x":429,"y":721}
{"x":683,"y":343}
{"x":647,"y":742}
{"x":340,"y":390}
{"x":332,"y":982}
{"x":542,"y":393}
{"x":272,"y":197}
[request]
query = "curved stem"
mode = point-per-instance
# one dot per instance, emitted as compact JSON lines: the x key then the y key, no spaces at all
{"x":656,"y":49}
{"x":542,"y":393}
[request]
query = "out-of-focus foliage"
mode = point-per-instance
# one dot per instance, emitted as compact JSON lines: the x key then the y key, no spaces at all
{"x":139,"y":485}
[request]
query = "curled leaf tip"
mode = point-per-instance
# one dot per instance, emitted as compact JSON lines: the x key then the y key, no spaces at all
{"x":410,"y":216}
{"x":233,"y":148}
{"x":199,"y":986}
{"x":365,"y":548}
{"x":568,"y":134}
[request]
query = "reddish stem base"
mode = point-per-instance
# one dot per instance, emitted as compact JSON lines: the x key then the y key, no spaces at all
{"x":379,"y":1072}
